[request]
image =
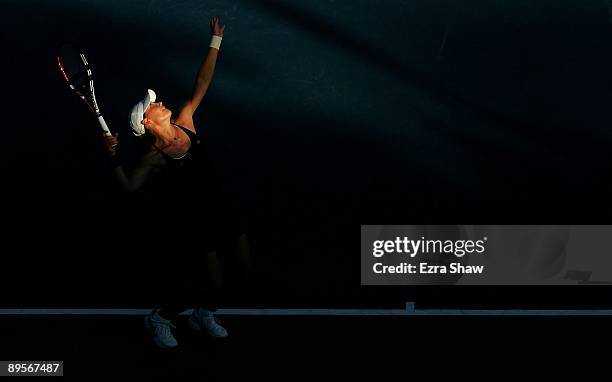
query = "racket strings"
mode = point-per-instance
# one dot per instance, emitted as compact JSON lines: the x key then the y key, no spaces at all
{"x":77,"y":72}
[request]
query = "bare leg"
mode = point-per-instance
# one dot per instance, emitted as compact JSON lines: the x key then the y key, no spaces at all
{"x":244,"y":252}
{"x":213,"y":267}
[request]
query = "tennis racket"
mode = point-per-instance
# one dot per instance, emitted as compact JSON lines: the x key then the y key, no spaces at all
{"x":78,"y":75}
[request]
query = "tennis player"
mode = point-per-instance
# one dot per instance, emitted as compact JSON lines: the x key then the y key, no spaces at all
{"x":186,"y":214}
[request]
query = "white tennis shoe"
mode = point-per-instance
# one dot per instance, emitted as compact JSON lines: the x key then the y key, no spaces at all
{"x":203,"y":319}
{"x":159,"y":328}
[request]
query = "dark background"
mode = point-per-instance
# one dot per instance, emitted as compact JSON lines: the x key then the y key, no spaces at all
{"x":325,"y":115}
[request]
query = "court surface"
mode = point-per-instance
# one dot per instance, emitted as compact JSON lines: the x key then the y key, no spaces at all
{"x":315,"y":347}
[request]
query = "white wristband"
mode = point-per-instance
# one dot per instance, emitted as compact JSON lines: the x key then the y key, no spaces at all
{"x":215,"y":42}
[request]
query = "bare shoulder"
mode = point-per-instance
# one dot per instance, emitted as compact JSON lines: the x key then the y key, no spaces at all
{"x":185,"y":117}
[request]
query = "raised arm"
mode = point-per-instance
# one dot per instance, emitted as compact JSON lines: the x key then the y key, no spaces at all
{"x":204,"y":76}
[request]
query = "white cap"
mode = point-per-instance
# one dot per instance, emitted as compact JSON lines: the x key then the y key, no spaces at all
{"x":137,"y":113}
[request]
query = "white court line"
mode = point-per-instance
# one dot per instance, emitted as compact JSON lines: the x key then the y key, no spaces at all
{"x":410,"y":310}
{"x":220,"y":312}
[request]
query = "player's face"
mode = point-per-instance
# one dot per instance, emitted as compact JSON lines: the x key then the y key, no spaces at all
{"x":157,"y":113}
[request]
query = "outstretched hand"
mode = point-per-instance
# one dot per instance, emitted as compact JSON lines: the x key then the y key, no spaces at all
{"x":216,"y":28}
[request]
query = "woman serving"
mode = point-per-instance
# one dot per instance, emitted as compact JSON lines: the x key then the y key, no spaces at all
{"x":184,"y":212}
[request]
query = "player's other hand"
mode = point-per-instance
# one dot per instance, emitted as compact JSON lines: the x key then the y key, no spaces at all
{"x":111,"y":142}
{"x":216,"y":28}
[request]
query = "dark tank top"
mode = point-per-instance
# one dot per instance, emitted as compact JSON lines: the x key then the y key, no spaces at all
{"x":184,"y":188}
{"x":175,"y":163}
{"x":190,"y":176}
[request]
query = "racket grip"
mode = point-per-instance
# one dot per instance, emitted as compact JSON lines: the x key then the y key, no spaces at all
{"x":104,"y":126}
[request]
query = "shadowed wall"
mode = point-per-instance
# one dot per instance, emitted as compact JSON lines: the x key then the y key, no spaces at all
{"x":323,"y":116}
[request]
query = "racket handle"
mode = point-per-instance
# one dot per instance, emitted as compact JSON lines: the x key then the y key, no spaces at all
{"x":104,"y":126}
